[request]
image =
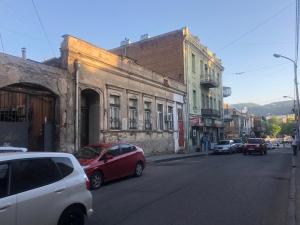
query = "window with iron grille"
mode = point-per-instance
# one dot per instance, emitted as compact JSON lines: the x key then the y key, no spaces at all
{"x":114,"y":109}
{"x":160,"y":117}
{"x":147,"y":116}
{"x":170,"y":118}
{"x":132,"y":111}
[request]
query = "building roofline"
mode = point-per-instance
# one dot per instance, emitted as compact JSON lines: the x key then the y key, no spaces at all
{"x":153,"y":38}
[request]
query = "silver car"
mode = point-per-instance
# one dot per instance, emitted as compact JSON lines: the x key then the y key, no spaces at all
{"x":225,"y":146}
{"x":43,"y":188}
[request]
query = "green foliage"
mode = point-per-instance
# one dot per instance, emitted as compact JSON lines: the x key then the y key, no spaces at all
{"x":288,"y":127}
{"x":273,"y":126}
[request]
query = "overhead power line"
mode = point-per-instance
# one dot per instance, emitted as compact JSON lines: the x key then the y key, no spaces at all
{"x":256,"y":27}
{"x":42,"y":26}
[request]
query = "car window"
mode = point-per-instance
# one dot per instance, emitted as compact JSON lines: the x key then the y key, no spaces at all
{"x":126,"y":148}
{"x":87,"y":153}
{"x":64,"y":164}
{"x":29,"y":174}
{"x":254,"y":141}
{"x":4,"y":176}
{"x":223,"y":142}
{"x":114,"y":150}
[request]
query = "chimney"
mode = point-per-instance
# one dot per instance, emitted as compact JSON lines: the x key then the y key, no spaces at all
{"x":23,"y":53}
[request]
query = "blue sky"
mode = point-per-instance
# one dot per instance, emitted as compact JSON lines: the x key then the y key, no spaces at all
{"x":215,"y":22}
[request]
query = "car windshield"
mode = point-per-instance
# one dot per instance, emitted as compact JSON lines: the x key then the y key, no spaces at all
{"x":254,"y":141}
{"x":88,"y":153}
{"x":237,"y":141}
{"x":224,"y":142}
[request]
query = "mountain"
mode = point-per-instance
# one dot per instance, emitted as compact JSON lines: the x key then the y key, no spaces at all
{"x":275,"y":108}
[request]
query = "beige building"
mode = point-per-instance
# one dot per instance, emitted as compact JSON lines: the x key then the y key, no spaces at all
{"x":119,"y":100}
{"x":181,"y":56}
{"x":238,"y":123}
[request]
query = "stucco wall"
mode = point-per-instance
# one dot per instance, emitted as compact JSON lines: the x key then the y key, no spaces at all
{"x":15,"y":70}
{"x":109,"y":74}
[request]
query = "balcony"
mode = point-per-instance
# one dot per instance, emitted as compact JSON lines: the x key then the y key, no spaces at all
{"x":210,"y":113}
{"x":209,"y":81}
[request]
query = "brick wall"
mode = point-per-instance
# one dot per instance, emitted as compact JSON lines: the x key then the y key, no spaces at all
{"x":162,"y":54}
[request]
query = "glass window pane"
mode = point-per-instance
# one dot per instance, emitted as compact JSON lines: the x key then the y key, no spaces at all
{"x":4,"y":177}
{"x":29,"y":174}
{"x":64,"y":164}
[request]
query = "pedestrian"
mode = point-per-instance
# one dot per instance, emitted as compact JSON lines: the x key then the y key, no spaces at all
{"x":294,"y":145}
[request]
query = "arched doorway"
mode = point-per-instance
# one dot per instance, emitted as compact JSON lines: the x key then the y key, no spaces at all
{"x":27,"y":116}
{"x":90,"y":117}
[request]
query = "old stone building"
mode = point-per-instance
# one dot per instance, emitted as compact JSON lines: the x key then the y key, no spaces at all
{"x":181,"y":56}
{"x":119,"y":100}
{"x":36,"y":105}
{"x":88,"y":96}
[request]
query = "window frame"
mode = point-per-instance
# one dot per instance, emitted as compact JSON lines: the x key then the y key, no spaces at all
{"x":133,"y":111}
{"x":160,"y":117}
{"x":147,"y":115}
{"x":114,"y":108}
{"x":170,"y":117}
{"x":193,"y":63}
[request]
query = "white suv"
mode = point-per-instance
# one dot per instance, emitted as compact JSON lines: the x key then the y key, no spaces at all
{"x":43,"y":189}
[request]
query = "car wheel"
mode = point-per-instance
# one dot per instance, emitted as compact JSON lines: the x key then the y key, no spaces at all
{"x":96,"y":180}
{"x":261,"y":152}
{"x":138,"y":169}
{"x":72,"y":216}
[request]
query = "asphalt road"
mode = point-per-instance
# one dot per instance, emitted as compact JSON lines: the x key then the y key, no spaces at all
{"x":210,"y":190}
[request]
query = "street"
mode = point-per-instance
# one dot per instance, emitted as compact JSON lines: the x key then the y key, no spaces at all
{"x":209,"y":190}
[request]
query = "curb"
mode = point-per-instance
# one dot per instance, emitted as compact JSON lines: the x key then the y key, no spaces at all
{"x":176,"y":158}
{"x":291,"y":213}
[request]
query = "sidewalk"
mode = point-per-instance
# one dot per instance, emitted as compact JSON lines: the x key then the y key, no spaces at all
{"x":297,"y":187}
{"x":170,"y":157}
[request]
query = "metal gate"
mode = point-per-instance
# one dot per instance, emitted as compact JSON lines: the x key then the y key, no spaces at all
{"x":24,"y":112}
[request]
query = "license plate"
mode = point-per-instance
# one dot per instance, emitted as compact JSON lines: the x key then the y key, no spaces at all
{"x":251,"y":148}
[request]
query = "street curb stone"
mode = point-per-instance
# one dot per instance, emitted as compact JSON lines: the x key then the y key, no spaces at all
{"x":176,"y":158}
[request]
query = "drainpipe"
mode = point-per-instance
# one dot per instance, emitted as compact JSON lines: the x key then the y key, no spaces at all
{"x":77,"y":68}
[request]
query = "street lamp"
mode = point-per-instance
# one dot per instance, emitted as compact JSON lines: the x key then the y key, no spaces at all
{"x":297,"y":93}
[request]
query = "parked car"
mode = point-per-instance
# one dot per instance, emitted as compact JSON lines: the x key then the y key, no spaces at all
{"x":238,"y":144}
{"x":225,"y":146}
{"x":43,"y":188}
{"x":270,"y":145}
{"x":106,"y":162}
{"x":255,"y":145}
{"x":4,"y":149}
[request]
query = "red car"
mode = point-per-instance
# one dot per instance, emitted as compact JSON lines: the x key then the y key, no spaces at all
{"x":106,"y":162}
{"x":255,"y":145}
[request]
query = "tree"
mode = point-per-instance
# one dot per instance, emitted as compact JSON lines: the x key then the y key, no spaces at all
{"x":273,"y":126}
{"x":288,"y":127}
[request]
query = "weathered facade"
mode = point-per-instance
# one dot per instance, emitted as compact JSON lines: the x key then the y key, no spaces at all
{"x":181,"y":56}
{"x":36,"y":105}
{"x":119,"y":100}
{"x":238,"y":123}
